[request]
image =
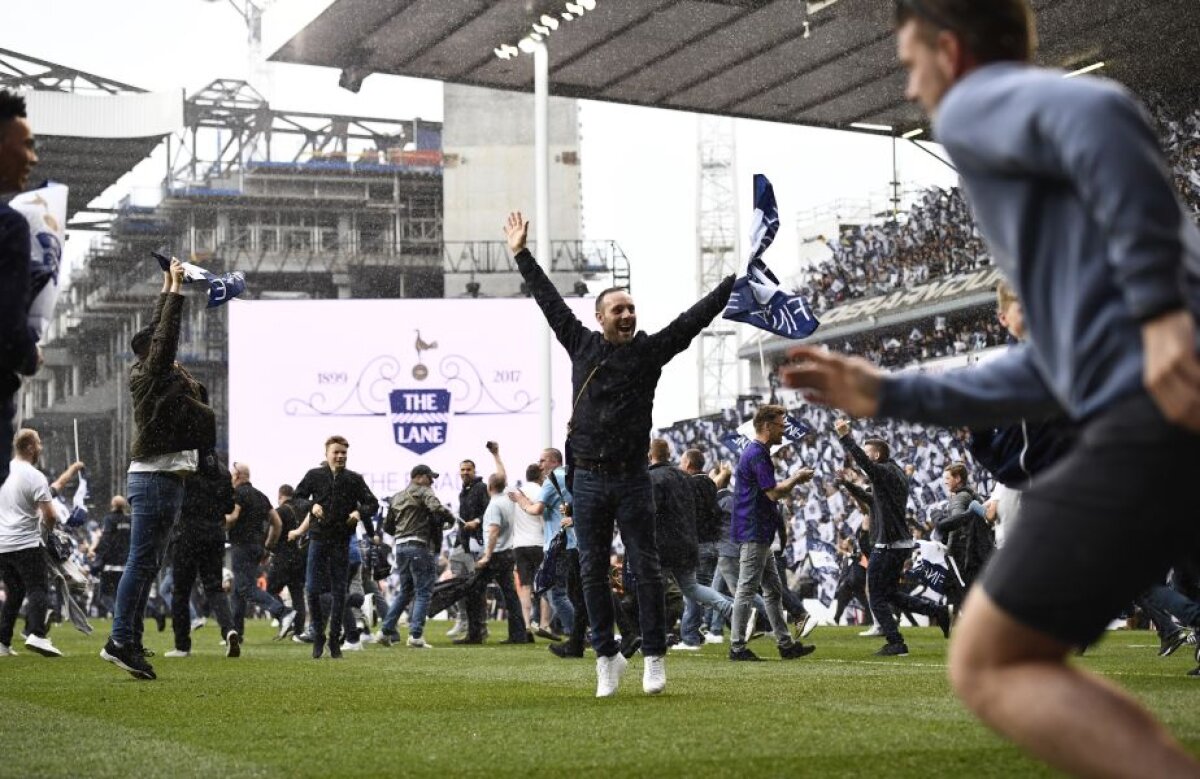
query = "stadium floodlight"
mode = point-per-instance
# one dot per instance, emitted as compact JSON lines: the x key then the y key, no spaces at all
{"x":549,"y":21}
{"x":882,"y":128}
{"x":913,"y":133}
{"x":1081,"y":71}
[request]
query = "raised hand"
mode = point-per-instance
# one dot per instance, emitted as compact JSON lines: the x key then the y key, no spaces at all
{"x":516,"y":230}
{"x":849,"y":383}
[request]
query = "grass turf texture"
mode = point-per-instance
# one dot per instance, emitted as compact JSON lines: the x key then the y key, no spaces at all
{"x":517,"y":710}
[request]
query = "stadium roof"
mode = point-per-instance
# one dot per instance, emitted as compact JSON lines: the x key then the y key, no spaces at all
{"x":90,"y":130}
{"x":830,"y":63}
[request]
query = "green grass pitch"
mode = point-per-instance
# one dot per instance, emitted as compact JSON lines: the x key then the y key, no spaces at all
{"x":494,"y":711}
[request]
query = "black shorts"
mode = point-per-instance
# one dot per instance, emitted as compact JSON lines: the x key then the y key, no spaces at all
{"x":1099,"y":527}
{"x":529,"y":559}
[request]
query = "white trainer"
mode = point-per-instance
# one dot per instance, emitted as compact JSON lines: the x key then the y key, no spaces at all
{"x":352,"y":646}
{"x":682,"y":647}
{"x":178,"y":653}
{"x":418,"y":643}
{"x":42,"y":646}
{"x":7,"y":651}
{"x":714,"y":638}
{"x":872,"y":631}
{"x":654,"y":675}
{"x":609,"y":671}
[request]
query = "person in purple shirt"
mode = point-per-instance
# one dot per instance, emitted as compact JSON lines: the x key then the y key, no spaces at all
{"x":755,"y":521}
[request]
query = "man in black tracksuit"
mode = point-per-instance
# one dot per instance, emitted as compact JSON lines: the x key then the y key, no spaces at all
{"x":198,"y":550}
{"x":111,"y":551}
{"x":614,"y":375}
{"x":891,"y":541}
{"x":340,"y":501}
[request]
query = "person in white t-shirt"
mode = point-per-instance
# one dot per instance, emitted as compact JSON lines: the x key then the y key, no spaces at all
{"x":25,"y":507}
{"x":497,"y":561}
{"x":529,"y":536}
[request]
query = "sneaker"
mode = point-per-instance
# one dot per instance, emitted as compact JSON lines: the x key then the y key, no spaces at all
{"x":318,"y":643}
{"x":335,"y":650}
{"x":1170,"y":643}
{"x":353,"y":646}
{"x":144,"y":652}
{"x":872,"y":631}
{"x":178,"y":653}
{"x":468,"y":640}
{"x":609,"y":671}
{"x":198,"y":623}
{"x":565,"y":650}
{"x":796,"y":649}
{"x":654,"y":675}
{"x":386,"y":639}
{"x":274,"y":622}
{"x":303,"y":638}
{"x":287,"y":623}
{"x":684,"y":647}
{"x":805,"y":625}
{"x":458,"y":629}
{"x":42,"y":646}
{"x":714,"y":638}
{"x":416,"y":642}
{"x":127,"y":658}
{"x":743,"y":655}
{"x":899,"y":649}
{"x":630,"y":648}
{"x":545,"y":633}
{"x":7,"y":651}
{"x":233,"y":644}
{"x":1194,"y":673}
{"x":942,"y":620}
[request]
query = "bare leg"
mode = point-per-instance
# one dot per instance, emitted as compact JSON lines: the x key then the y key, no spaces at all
{"x":1018,"y":682}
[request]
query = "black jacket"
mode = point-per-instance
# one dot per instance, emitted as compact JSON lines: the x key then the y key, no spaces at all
{"x":674,"y":517}
{"x":611,"y":423}
{"x":113,"y":546}
{"x":969,"y":538}
{"x":291,"y":515}
{"x":1015,"y":454}
{"x":472,"y":502}
{"x":169,"y":408}
{"x":339,"y":496}
{"x":708,"y":514}
{"x":207,"y":498}
{"x":18,"y":345}
{"x":889,"y":494}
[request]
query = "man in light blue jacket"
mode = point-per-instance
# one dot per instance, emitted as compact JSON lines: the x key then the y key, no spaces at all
{"x":1070,"y":190}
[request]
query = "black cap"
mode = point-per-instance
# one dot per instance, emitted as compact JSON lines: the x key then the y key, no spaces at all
{"x":422,"y":470}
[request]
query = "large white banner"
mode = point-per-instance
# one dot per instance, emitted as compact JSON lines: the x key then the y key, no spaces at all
{"x":405,"y":381}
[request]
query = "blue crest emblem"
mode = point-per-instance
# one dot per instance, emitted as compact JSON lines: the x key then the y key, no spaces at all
{"x":419,"y":418}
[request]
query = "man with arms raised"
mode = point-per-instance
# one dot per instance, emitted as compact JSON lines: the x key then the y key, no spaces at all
{"x":1070,"y":190}
{"x":614,"y":374}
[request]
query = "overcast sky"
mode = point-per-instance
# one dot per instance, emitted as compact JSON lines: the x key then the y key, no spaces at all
{"x":640,"y":173}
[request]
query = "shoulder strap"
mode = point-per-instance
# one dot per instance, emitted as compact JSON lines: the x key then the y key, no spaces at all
{"x":554,"y":483}
{"x":579,"y":396}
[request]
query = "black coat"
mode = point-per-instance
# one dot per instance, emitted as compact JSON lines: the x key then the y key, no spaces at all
{"x":674,"y":517}
{"x":709,"y":522}
{"x":969,"y":538}
{"x":339,"y":495}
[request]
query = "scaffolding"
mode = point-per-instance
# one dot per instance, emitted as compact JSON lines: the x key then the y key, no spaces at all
{"x":718,"y":369}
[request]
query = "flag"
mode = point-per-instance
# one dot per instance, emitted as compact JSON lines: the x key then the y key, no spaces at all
{"x":45,"y":209}
{"x":793,"y":431}
{"x":823,"y":557}
{"x":735,"y":442}
{"x":930,"y":569}
{"x":757,"y":299}
{"x":79,"y":511}
{"x":221,"y":289}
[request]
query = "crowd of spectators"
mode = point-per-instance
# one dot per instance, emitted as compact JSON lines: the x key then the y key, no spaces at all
{"x":1180,"y":136}
{"x":928,"y":339}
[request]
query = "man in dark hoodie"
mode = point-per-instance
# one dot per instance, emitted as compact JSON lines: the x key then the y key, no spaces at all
{"x":19,"y":352}
{"x":174,"y":423}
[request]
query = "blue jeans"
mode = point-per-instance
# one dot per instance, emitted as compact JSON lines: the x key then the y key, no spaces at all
{"x":1167,"y":601}
{"x":695,"y":614}
{"x":328,"y":571}
{"x":602,"y":500}
{"x":696,"y":597}
{"x":155,"y":499}
{"x":725,"y":582}
{"x":416,"y":569}
{"x":245,"y":560}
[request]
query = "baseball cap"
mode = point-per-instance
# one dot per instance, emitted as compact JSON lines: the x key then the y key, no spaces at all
{"x":423,"y":470}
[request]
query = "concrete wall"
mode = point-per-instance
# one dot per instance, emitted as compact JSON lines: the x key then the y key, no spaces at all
{"x":488,"y":146}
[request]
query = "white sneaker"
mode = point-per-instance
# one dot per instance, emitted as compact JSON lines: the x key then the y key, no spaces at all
{"x":609,"y":671}
{"x":458,"y":629}
{"x":7,"y":651}
{"x":418,"y":643}
{"x":654,"y":674}
{"x":178,"y":653}
{"x":805,"y":626}
{"x":682,"y":647}
{"x":42,"y":646}
{"x":198,"y":623}
{"x":274,"y":622}
{"x":352,"y":646}
{"x":366,"y":638}
{"x":872,"y":631}
{"x":714,"y":638}
{"x":286,"y":623}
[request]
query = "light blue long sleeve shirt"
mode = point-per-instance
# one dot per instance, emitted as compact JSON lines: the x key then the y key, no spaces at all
{"x":1070,"y":190}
